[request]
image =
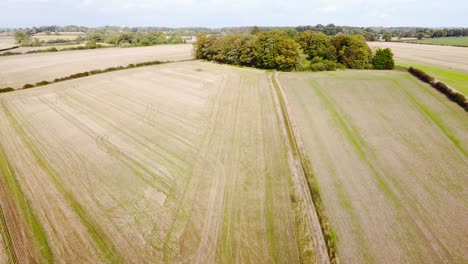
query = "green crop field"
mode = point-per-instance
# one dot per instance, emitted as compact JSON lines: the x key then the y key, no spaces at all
{"x":449,"y":41}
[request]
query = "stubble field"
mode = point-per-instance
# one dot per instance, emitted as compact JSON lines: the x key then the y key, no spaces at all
{"x":183,"y":162}
{"x":390,"y":155}
{"x":15,"y":71}
{"x":448,"y":64}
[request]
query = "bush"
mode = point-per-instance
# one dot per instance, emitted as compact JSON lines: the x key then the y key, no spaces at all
{"x":6,"y":89}
{"x":9,"y":53}
{"x":383,"y":60}
{"x":91,"y":44}
{"x":321,"y":65}
{"x":453,"y":95}
{"x":27,"y":86}
{"x":42,"y":83}
{"x":421,"y":75}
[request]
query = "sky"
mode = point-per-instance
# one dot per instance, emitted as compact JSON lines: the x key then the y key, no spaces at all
{"x":218,"y":13}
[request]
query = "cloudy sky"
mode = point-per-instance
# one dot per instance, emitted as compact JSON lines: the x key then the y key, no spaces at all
{"x":219,"y":13}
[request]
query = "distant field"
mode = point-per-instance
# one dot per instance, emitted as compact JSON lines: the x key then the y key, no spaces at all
{"x":183,"y":162}
{"x":391,"y":156}
{"x":450,"y":41}
{"x":449,"y":64}
{"x":7,"y":42}
{"x":52,"y":36}
{"x":454,"y":78}
{"x":15,"y":71}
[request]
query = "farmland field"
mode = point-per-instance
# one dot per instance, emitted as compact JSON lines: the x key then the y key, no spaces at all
{"x":449,"y":41}
{"x":182,"y":162}
{"x":57,"y":46}
{"x":7,"y":42}
{"x":15,"y":71}
{"x":390,"y":155}
{"x":448,"y":64}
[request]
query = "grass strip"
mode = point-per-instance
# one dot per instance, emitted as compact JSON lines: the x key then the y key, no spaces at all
{"x":311,"y":179}
{"x":33,"y":225}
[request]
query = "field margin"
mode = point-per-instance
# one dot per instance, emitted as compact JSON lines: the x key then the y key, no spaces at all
{"x":301,"y":155}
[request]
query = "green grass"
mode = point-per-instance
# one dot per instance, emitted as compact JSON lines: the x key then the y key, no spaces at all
{"x":449,"y":41}
{"x":454,"y":78}
{"x":97,"y":234}
{"x":31,"y":221}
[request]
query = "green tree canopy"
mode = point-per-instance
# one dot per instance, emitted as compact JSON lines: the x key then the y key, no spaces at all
{"x":352,"y":51}
{"x":316,"y":44}
{"x":387,"y":36}
{"x":274,"y":50}
{"x":383,"y":59}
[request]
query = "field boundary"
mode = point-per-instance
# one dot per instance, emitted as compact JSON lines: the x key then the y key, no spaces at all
{"x":10,"y":48}
{"x":451,"y":93}
{"x":88,"y":73}
{"x":300,"y":154}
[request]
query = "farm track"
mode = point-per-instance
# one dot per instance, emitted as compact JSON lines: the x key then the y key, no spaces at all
{"x":361,"y":149}
{"x":183,"y":162}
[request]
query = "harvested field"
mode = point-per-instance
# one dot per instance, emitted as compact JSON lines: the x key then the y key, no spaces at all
{"x":182,"y":162}
{"x":7,"y":42}
{"x":447,"y":64}
{"x":448,"y":41}
{"x":15,"y":71}
{"x":442,"y":56}
{"x":390,"y":155}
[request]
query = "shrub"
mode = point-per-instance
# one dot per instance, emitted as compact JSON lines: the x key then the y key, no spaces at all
{"x":91,"y":44}
{"x":27,"y":86}
{"x":42,"y":83}
{"x":321,"y":65}
{"x":10,"y":53}
{"x":453,"y":95}
{"x":6,"y":89}
{"x":383,"y":59}
{"x":421,"y":75}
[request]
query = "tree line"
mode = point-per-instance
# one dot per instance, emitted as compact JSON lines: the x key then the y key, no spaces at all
{"x":287,"y":51}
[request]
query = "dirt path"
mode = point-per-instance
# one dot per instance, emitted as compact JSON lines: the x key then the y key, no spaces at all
{"x":389,"y":195}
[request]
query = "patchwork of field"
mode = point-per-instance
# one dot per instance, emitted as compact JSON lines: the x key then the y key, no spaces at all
{"x":182,"y":162}
{"x":15,"y":71}
{"x":390,"y":155}
{"x":448,"y":64}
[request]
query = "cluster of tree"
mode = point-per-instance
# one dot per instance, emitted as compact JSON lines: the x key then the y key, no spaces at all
{"x":453,"y":32}
{"x":133,"y":38}
{"x":281,"y":50}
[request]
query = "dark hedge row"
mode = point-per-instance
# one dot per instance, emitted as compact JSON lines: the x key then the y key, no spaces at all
{"x":453,"y":95}
{"x":84,"y":74}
